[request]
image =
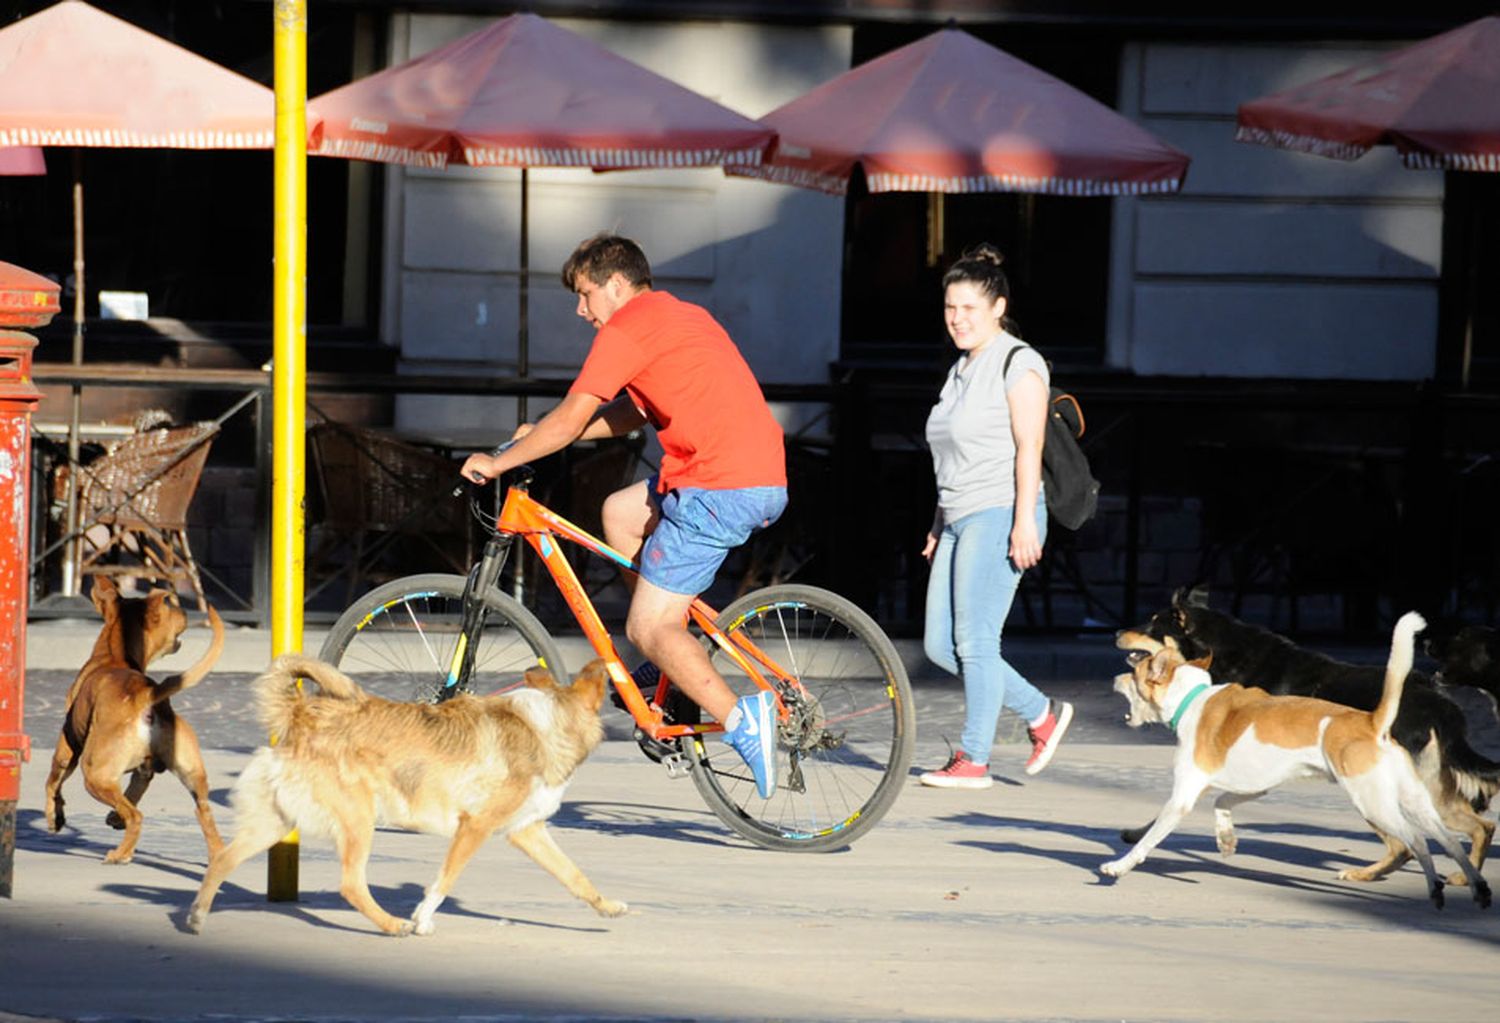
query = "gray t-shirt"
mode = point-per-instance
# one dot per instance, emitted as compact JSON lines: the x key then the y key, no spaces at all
{"x":968,"y":430}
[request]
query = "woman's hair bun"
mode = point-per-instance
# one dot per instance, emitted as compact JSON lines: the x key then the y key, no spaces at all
{"x":985,"y":253}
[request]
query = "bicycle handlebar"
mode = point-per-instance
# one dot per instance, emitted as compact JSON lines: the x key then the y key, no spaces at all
{"x":476,"y":483}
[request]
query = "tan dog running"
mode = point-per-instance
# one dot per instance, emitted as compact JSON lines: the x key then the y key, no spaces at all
{"x":118,"y":721}
{"x":1245,"y":741}
{"x":346,"y":760}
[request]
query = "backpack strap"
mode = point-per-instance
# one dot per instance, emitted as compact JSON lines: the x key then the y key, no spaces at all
{"x":1005,"y":369}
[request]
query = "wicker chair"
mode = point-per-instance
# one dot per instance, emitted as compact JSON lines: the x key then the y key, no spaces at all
{"x":376,"y":498}
{"x":133,"y":504}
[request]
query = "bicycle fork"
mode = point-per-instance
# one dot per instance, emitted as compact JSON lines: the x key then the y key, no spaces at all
{"x":475,"y":611}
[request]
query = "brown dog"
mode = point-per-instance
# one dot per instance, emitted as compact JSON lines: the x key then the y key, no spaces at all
{"x":345,"y":760}
{"x":118,"y":721}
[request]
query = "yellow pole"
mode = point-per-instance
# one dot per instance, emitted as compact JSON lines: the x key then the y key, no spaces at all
{"x":289,"y":368}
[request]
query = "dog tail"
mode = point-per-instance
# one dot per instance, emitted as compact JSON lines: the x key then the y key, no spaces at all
{"x":277,"y":692}
{"x":174,"y":684}
{"x":1403,"y":642}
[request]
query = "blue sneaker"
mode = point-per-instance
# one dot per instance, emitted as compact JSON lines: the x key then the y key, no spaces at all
{"x":754,"y":739}
{"x":646,"y":676}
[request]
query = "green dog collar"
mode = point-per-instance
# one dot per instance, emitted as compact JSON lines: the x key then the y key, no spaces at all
{"x":1182,"y":707}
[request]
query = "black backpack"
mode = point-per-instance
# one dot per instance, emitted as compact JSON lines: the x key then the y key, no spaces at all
{"x":1072,"y":491}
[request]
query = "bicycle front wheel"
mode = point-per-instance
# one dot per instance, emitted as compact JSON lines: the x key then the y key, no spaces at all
{"x":844,"y":752}
{"x":398,"y":640}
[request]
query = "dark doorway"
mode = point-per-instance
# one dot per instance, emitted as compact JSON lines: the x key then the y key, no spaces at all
{"x":897,"y":245}
{"x":191,"y":228}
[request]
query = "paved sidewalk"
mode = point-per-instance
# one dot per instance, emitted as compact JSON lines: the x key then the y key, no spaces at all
{"x":958,"y":906}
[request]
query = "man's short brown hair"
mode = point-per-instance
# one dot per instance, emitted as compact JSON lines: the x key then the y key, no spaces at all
{"x":604,"y":255}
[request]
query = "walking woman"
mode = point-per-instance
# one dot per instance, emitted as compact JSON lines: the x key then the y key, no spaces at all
{"x":985,"y":433}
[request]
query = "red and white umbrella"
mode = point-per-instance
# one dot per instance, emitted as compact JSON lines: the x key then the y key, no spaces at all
{"x":72,"y":75}
{"x":1437,"y":102}
{"x":949,"y":113}
{"x":522,"y":92}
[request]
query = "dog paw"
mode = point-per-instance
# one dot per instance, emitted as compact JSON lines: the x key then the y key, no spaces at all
{"x":194,"y":921}
{"x":55,"y":822}
{"x":1355,"y":874}
{"x":609,"y":907}
{"x":1228,"y":842}
{"x":1458,"y":879}
{"x":421,"y":928}
{"x":1114,"y":868}
{"x":1482,"y":895}
{"x":114,"y":820}
{"x":116,"y":856}
{"x":1436,"y":892}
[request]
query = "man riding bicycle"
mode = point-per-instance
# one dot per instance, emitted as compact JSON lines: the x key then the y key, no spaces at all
{"x":659,"y":360}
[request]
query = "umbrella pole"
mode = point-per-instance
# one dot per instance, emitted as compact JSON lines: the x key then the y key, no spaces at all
{"x":522,"y":336}
{"x":73,"y":546}
{"x":518,"y":576}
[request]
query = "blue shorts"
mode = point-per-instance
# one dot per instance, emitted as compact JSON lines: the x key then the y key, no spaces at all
{"x":698,"y":529}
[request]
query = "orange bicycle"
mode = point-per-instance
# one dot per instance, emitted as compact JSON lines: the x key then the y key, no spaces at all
{"x":844,"y":704}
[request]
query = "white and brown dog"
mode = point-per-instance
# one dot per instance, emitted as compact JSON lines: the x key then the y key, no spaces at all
{"x":346,"y":760}
{"x":1246,"y":742}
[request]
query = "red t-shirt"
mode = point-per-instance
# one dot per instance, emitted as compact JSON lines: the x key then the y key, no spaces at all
{"x":682,"y":370}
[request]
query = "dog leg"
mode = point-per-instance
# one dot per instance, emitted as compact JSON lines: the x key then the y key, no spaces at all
{"x":107,"y":791}
{"x":260,"y":828}
{"x":1418,"y":808}
{"x":1184,"y":794}
{"x":1429,"y":870}
{"x":187,"y":765}
{"x":64,"y":760}
{"x":1477,"y":884}
{"x":1130,"y":836}
{"x":1459,"y":816}
{"x":467,"y":838}
{"x":354,"y":838}
{"x":536,"y":841}
{"x":1224,"y":820}
{"x":140,"y":780}
{"x":1396,"y":854}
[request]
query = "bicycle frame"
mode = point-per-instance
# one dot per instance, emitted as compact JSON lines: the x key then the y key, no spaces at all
{"x":524,"y":516}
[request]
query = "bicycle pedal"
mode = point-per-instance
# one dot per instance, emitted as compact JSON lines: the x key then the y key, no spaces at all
{"x":655,"y":750}
{"x":678,"y":765}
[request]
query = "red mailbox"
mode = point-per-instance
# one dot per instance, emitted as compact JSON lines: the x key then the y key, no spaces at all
{"x":26,"y":300}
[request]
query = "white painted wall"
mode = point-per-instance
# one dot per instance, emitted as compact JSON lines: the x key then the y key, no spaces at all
{"x":765,"y":259}
{"x":1268,"y":263}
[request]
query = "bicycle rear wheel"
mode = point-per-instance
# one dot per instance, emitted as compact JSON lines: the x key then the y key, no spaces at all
{"x":844,"y":753}
{"x":397,"y":641}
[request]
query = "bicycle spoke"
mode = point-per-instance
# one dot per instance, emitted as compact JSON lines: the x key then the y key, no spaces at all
{"x":845,"y":742}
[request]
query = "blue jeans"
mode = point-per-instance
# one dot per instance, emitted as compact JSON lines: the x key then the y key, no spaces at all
{"x":969,"y":595}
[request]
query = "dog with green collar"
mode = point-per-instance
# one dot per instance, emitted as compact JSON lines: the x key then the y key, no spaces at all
{"x":1245,"y":742}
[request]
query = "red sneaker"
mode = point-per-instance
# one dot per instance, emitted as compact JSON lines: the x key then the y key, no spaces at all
{"x":1046,"y":736}
{"x":959,"y":773}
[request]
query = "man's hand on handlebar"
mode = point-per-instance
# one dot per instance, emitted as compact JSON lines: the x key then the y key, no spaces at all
{"x":481,"y":468}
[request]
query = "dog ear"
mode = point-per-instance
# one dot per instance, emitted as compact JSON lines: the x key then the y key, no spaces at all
{"x":1197,"y":596}
{"x":103,"y":592}
{"x":539,"y":678}
{"x":1203,"y":662}
{"x":592,"y":682}
{"x":1163,"y":663}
